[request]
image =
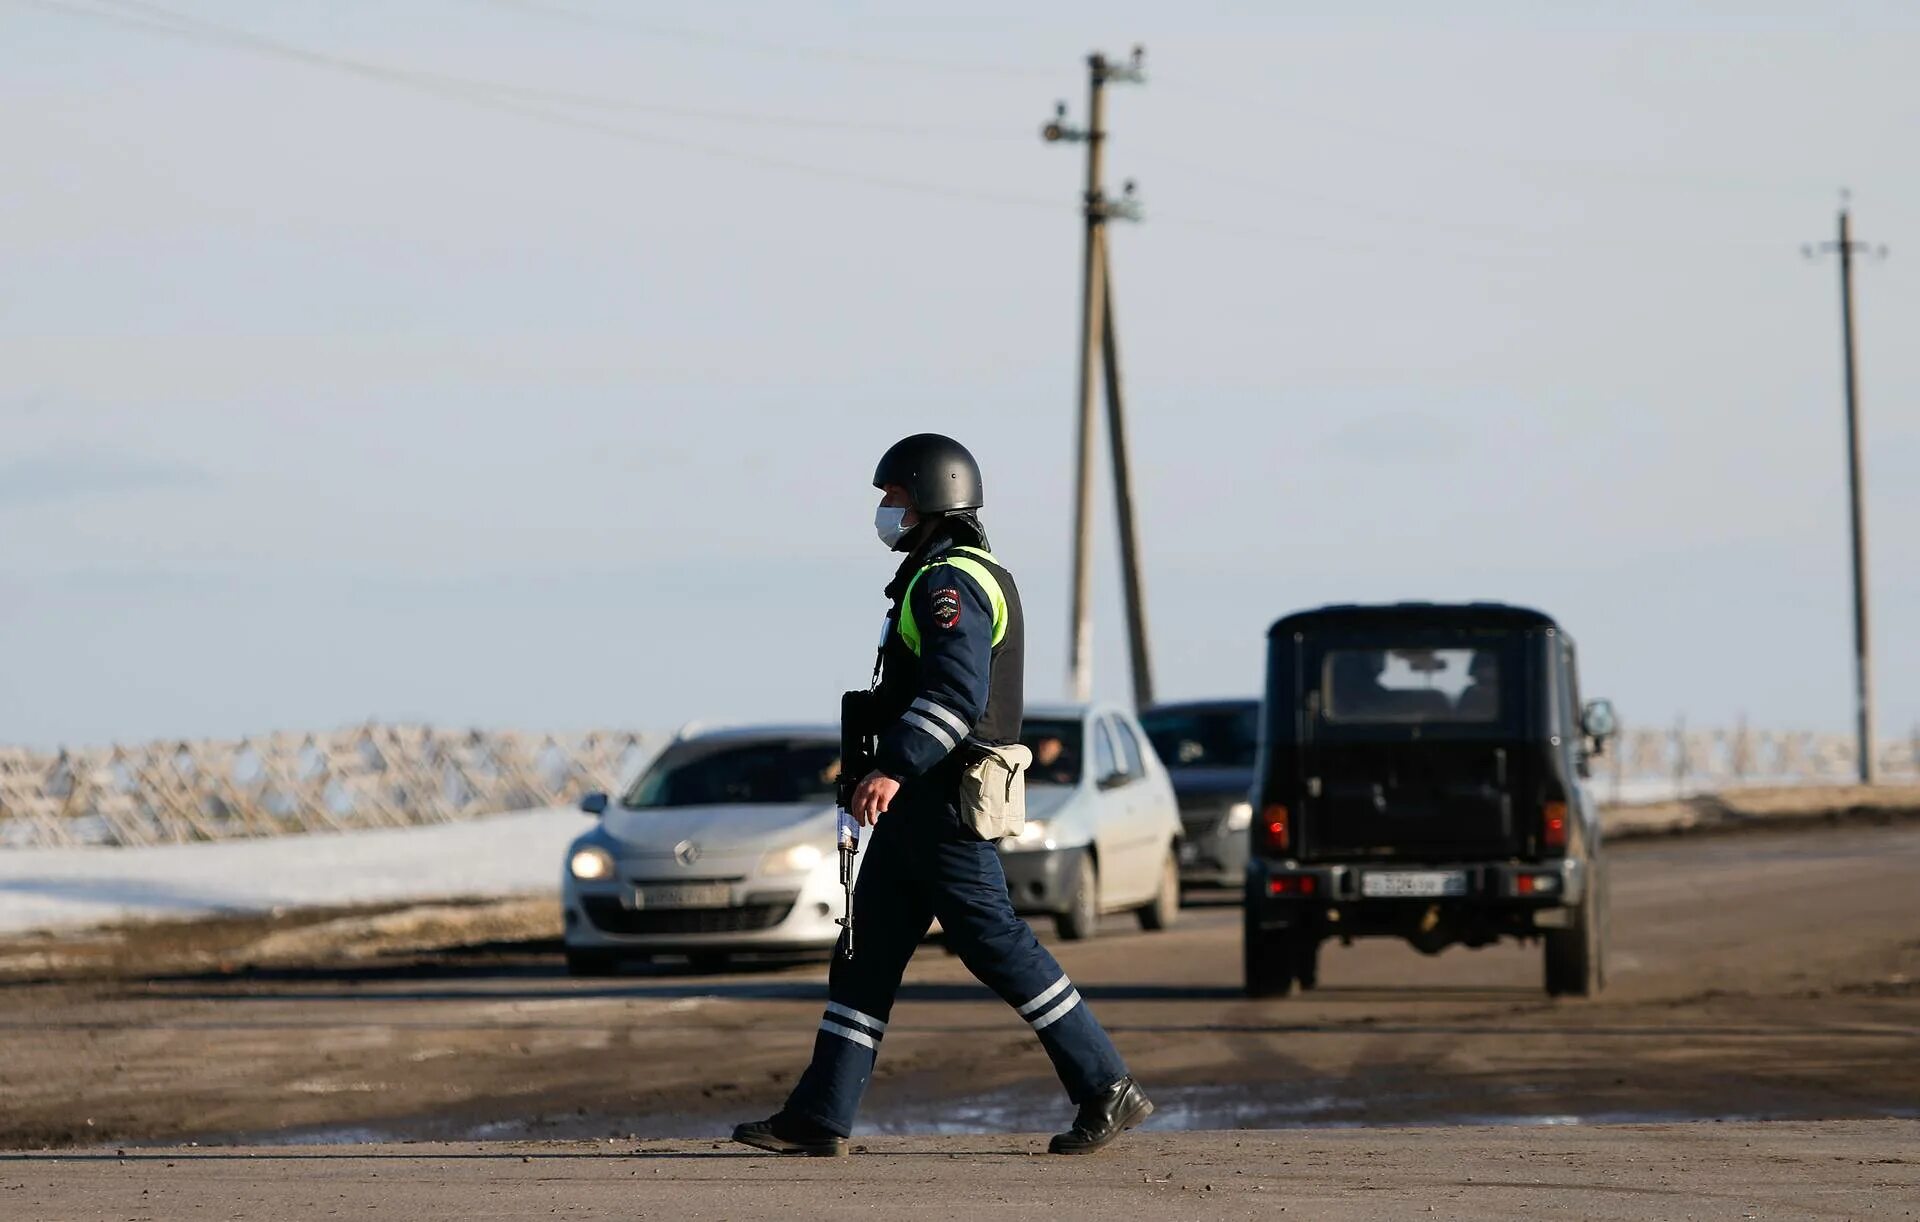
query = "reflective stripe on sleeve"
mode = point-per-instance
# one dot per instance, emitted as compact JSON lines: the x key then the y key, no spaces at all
{"x":932,"y":728}
{"x":953,"y":719}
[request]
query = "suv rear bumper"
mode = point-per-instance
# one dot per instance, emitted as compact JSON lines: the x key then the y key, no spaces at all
{"x":1284,"y":893}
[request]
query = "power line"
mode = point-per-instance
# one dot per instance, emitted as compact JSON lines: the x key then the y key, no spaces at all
{"x":1504,"y":241}
{"x":649,"y":29}
{"x":153,"y":19}
{"x":554,"y":108}
{"x":1503,"y":237}
{"x":162,"y":19}
{"x":1534,"y":164}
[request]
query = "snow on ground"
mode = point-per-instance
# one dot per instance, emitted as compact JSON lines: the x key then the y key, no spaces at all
{"x":511,"y":854}
{"x":485,"y":858}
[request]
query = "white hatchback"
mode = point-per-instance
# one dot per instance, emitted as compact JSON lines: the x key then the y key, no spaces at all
{"x":1103,"y":827}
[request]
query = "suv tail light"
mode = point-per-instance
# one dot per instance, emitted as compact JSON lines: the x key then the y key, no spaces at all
{"x":1275,"y":829}
{"x":1553,"y":825}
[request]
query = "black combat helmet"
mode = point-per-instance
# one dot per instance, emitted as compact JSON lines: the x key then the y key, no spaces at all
{"x":938,"y":473}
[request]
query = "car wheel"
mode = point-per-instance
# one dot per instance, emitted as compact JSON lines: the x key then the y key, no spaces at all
{"x":592,"y":962}
{"x":1082,"y":916}
{"x":1306,"y":959}
{"x":1573,"y":954}
{"x":1164,"y":909}
{"x":1268,"y":966}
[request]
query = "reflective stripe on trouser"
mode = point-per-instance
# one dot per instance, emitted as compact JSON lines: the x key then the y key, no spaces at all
{"x":907,"y":878}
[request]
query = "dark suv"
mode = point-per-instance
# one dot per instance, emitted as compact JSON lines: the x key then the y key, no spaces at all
{"x":1420,"y":777}
{"x":1209,"y":748}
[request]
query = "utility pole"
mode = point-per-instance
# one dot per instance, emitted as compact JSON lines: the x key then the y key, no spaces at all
{"x":1095,"y":341}
{"x":1140,"y":664}
{"x":1846,"y":247}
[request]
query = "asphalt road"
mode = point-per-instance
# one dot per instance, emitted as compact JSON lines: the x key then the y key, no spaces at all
{"x":1762,"y":975}
{"x":1843,"y":1169}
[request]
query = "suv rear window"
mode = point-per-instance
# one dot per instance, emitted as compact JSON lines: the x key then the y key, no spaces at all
{"x":1410,"y":685}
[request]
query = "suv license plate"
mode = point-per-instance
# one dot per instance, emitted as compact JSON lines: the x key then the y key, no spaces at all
{"x":683,"y":895}
{"x":1419,"y":883}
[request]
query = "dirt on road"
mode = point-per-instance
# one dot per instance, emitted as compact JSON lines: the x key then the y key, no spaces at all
{"x":1843,"y":1169}
{"x":1754,"y":976}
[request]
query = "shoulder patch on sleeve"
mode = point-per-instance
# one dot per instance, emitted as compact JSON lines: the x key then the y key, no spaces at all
{"x":946,"y":607}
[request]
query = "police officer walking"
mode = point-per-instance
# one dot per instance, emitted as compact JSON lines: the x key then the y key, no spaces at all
{"x":949,"y":691}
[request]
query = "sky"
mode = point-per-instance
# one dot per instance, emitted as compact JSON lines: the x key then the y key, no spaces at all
{"x":523,"y":363}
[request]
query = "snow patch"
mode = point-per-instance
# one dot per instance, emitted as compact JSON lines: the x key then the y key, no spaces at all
{"x":486,"y":858}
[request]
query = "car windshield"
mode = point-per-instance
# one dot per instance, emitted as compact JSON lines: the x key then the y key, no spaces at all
{"x":1204,"y":738}
{"x":1411,"y":685}
{"x":738,"y":772}
{"x":1057,"y":750}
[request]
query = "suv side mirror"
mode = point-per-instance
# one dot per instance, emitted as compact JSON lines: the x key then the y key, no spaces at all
{"x":1598,"y":722}
{"x":594,"y":804}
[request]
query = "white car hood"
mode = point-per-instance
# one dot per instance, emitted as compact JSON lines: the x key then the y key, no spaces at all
{"x":1047,"y":801}
{"x":716,"y":828}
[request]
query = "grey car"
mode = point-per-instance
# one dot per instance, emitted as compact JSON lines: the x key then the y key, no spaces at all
{"x":1208,"y":747}
{"x":724,"y":844}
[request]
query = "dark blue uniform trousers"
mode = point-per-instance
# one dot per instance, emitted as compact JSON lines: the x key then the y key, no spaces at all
{"x":922,"y":864}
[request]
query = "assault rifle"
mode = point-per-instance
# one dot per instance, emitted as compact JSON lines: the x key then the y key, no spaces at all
{"x":857,"y":747}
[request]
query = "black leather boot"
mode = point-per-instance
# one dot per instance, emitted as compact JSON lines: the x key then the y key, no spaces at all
{"x":1103,"y":1118}
{"x":784,"y":1134}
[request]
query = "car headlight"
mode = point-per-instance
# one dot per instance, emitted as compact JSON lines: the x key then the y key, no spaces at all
{"x":1239,"y":816}
{"x":591,"y":863}
{"x":795,"y":859}
{"x":1032,"y":836}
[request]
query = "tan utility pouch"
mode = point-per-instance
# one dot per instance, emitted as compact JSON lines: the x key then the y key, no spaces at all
{"x":993,"y":790}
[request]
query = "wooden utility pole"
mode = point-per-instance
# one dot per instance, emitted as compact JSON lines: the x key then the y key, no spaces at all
{"x":1846,"y":247}
{"x":1080,"y":659}
{"x":1096,"y":343}
{"x":1141,"y":665}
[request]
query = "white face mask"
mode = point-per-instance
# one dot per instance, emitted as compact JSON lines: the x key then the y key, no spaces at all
{"x":890,"y":523}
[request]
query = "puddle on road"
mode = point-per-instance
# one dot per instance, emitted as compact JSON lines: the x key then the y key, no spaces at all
{"x":1185,"y":1108}
{"x":1032,"y":1110}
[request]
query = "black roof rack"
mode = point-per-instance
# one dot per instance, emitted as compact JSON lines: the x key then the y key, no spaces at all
{"x":1413,"y":615}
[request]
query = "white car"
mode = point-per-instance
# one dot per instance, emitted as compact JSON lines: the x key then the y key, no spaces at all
{"x":1103,"y":827}
{"x":724,"y":844}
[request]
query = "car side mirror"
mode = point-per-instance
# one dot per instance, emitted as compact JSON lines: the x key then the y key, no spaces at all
{"x":1113,"y":780}
{"x":594,"y":804}
{"x":1598,"y":723}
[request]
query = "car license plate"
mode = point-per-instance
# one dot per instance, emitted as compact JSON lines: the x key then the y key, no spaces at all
{"x":683,"y":895}
{"x":1422,"y":884}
